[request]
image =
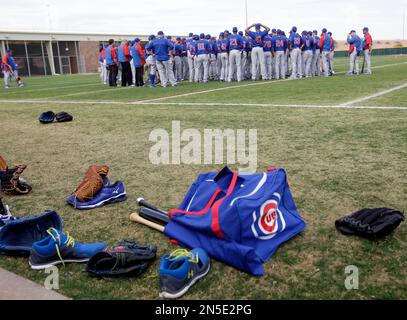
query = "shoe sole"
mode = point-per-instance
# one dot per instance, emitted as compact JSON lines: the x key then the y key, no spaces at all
{"x":112,"y":200}
{"x":167,"y":295}
{"x":54,"y":263}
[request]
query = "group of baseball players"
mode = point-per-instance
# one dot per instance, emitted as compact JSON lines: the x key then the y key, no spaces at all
{"x":236,"y":56}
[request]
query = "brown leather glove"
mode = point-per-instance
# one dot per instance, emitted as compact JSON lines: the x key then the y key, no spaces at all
{"x":91,"y":183}
{"x":3,"y":164}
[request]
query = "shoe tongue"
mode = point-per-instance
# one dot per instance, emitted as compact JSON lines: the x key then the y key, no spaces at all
{"x":59,"y":235}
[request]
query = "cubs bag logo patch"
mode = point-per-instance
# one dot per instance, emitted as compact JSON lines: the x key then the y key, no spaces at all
{"x":269,"y":221}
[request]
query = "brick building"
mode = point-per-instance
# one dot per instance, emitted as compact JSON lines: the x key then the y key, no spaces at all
{"x":44,"y":53}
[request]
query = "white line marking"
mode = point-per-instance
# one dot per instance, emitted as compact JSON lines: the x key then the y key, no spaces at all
{"x":204,"y":104}
{"x":378,"y":94}
{"x":51,"y":88}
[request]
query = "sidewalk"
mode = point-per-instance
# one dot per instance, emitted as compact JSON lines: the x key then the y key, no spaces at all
{"x":14,"y":287}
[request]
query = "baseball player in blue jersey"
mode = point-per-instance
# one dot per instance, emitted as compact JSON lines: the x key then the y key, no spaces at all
{"x":268,"y":56}
{"x":331,"y":56}
{"x":354,"y":50}
{"x":224,"y":56}
{"x":307,"y":53}
{"x":178,"y":52}
{"x":279,"y":49}
{"x":235,"y":55}
{"x":162,"y":49}
{"x":247,"y":57}
{"x":295,"y":43}
{"x":184,"y":59}
{"x":325,"y":45}
{"x":151,"y":67}
{"x":202,"y":59}
{"x":316,"y":60}
{"x":257,"y":51}
{"x":213,"y":59}
{"x":273,"y":58}
{"x":190,"y":43}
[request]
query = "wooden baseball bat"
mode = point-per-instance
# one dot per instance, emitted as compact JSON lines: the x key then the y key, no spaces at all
{"x":135,"y":217}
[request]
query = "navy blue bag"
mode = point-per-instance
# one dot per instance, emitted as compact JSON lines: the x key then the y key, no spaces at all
{"x":18,"y":236}
{"x":240,"y":220}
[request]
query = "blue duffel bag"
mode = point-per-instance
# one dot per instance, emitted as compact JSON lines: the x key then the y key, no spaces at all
{"x":240,"y":220}
{"x":18,"y":236}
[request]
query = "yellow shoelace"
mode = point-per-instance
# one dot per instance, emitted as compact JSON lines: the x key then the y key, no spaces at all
{"x":69,"y":242}
{"x":182,"y":253}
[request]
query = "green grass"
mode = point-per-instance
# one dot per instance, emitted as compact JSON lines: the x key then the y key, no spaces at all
{"x":338,"y":161}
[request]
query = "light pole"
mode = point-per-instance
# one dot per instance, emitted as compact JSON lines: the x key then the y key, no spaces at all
{"x":247,"y":19}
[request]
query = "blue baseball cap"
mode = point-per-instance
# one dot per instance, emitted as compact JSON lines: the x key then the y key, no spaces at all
{"x":178,"y":38}
{"x":226,"y":31}
{"x":352,"y":31}
{"x":279,"y":32}
{"x":258,"y":26}
{"x":240,"y":33}
{"x":136,"y":40}
{"x":202,"y":35}
{"x":160,"y":33}
{"x":315,"y":31}
{"x":190,"y":34}
{"x":169,"y":37}
{"x":221,"y":34}
{"x":196,"y":37}
{"x":274,"y":30}
{"x":310,"y":33}
{"x":365,"y":29}
{"x":324,"y":30}
{"x":208,"y":36}
{"x":235,"y":29}
{"x":294,"y":29}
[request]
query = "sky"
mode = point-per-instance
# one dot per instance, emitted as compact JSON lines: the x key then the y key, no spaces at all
{"x":179,"y":17}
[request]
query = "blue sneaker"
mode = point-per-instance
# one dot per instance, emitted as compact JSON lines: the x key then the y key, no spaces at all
{"x":107,"y":195}
{"x":180,"y":270}
{"x":59,"y":248}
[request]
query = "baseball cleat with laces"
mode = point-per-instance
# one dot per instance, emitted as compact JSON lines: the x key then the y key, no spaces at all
{"x":58,"y":248}
{"x":180,"y":270}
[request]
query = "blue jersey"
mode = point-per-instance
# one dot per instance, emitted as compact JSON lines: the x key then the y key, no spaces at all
{"x":267,"y":43}
{"x":316,"y":43}
{"x":258,"y":38}
{"x":178,"y":48}
{"x":212,"y":47}
{"x":326,"y":46}
{"x":202,"y":47}
{"x":191,"y":47}
{"x":295,"y":40}
{"x":160,"y":47}
{"x":223,"y":45}
{"x":355,"y":42}
{"x":110,"y":54}
{"x":247,"y":44}
{"x":135,"y":56}
{"x":235,"y":42}
{"x":308,"y":43}
{"x":280,"y":43}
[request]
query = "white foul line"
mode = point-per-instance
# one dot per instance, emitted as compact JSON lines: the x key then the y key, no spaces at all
{"x":207,"y":104}
{"x":49,"y":89}
{"x":378,"y":94}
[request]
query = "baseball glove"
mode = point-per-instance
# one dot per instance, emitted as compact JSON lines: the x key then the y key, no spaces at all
{"x":370,"y":223}
{"x":3,"y":164}
{"x":91,"y":183}
{"x":12,"y":183}
{"x":63,"y":117}
{"x":125,"y":260}
{"x":47,"y":117}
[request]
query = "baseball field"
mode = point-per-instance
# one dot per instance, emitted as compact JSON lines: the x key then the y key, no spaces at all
{"x":342,"y":140}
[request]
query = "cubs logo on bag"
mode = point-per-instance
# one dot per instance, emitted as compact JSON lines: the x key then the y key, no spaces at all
{"x":270,"y":222}
{"x":240,"y":220}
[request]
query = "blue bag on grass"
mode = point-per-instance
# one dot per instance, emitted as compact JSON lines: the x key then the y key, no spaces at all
{"x":240,"y":220}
